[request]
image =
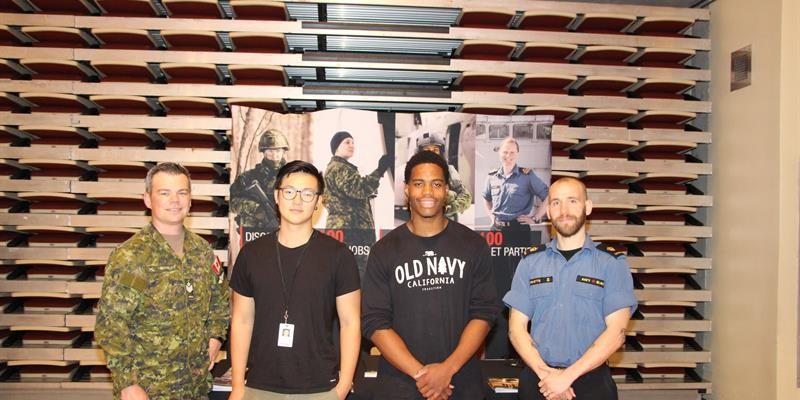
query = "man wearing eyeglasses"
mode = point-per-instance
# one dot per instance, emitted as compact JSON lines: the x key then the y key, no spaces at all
{"x":286,"y":288}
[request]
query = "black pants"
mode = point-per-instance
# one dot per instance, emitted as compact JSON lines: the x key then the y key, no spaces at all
{"x":596,"y":384}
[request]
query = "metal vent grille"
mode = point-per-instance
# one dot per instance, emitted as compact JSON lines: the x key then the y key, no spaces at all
{"x":300,"y":43}
{"x":426,"y":16}
{"x":392,"y":45}
{"x":741,"y":68}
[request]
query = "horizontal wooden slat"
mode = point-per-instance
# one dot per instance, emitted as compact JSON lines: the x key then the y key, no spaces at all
{"x":31,"y":353}
{"x":667,"y":325}
{"x":37,"y":185}
{"x":100,"y":389}
{"x":669,"y":262}
{"x":35,"y":388}
{"x":73,"y":320}
{"x":374,"y":62}
{"x":660,"y":357}
{"x":32,"y":319}
{"x":34,"y":285}
{"x":115,"y":121}
{"x":642,"y":135}
{"x":127,"y":221}
{"x":92,"y":354}
{"x":296,"y":27}
{"x":85,"y":288}
{"x":281,"y":92}
{"x":184,"y":155}
{"x":644,"y":231}
{"x":673,"y":295}
{"x":632,"y":166}
{"x":673,"y":387}
{"x":652,"y":199}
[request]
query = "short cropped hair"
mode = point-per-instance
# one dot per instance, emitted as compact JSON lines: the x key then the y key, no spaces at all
{"x":426,"y":157}
{"x":167,"y":168}
{"x":576,"y":181}
{"x":509,"y":139}
{"x":299,"y":166}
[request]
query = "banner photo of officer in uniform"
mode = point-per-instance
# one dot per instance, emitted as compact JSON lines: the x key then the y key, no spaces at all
{"x":451,"y":136}
{"x":263,"y":141}
{"x":512,"y":178}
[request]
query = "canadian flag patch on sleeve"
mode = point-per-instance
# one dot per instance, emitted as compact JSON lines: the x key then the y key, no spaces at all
{"x":216,"y":266}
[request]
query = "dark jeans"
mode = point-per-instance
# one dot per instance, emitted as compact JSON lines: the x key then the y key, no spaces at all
{"x":596,"y":384}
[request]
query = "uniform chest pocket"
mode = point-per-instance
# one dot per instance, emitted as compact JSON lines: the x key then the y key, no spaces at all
{"x":541,"y":286}
{"x":163,"y":282}
{"x":495,"y":190}
{"x":589,"y":287}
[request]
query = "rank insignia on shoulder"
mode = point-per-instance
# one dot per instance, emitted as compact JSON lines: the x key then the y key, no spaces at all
{"x":525,"y":171}
{"x":535,"y":249}
{"x":613,"y":250}
{"x":216,"y":266}
{"x":494,"y":171}
{"x":540,"y":280}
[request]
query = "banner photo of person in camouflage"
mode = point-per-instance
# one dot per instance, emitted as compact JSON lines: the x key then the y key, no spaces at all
{"x":263,"y":141}
{"x":348,"y":146}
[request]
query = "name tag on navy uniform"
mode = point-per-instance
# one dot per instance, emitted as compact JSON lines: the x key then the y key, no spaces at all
{"x":285,"y":335}
{"x":541,"y":279}
{"x":591,"y":281}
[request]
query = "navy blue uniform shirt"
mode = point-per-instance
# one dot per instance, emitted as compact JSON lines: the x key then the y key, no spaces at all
{"x":567,"y":301}
{"x":513,"y":196}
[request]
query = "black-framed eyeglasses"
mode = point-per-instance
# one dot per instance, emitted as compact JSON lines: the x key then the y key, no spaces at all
{"x":307,"y":195}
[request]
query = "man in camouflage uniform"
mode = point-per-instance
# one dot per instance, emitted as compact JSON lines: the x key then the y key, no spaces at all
{"x":163,"y":311}
{"x":458,"y":197}
{"x":348,"y":194}
{"x":251,"y":197}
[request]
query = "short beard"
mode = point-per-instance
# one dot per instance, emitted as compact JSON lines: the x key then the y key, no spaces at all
{"x":580,"y":220}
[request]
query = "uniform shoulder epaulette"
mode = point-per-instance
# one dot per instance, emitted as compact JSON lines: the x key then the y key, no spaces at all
{"x":494,"y":171}
{"x":535,"y":249}
{"x":614,"y":251}
{"x":525,"y":171}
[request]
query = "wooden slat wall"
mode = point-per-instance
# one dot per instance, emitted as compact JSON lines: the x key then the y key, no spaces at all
{"x":89,"y":290}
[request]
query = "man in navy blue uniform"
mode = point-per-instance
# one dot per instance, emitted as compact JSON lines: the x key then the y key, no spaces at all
{"x":578,"y":296}
{"x":510,"y":189}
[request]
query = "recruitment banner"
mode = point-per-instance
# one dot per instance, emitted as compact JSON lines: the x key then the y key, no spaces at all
{"x":499,"y":168}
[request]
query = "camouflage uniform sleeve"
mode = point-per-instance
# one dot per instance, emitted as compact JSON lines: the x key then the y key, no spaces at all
{"x":116,"y":315}
{"x":348,"y":181}
{"x":461,"y":198}
{"x":220,"y":309}
{"x":237,"y":195}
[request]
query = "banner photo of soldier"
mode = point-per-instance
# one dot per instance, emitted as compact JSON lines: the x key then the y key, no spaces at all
{"x":263,"y":141}
{"x":512,"y":177}
{"x":355,"y":152}
{"x":452,"y":136}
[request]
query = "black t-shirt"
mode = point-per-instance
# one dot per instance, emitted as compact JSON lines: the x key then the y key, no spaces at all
{"x":569,"y":253}
{"x":427,"y":290}
{"x":327,"y":270}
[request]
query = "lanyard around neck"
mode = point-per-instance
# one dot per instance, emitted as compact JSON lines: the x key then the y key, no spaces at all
{"x":287,"y":295}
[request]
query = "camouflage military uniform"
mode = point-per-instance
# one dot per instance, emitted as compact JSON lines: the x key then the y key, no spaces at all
{"x":347,"y":195}
{"x":252,"y":210}
{"x":157,"y":313}
{"x":458,"y":198}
